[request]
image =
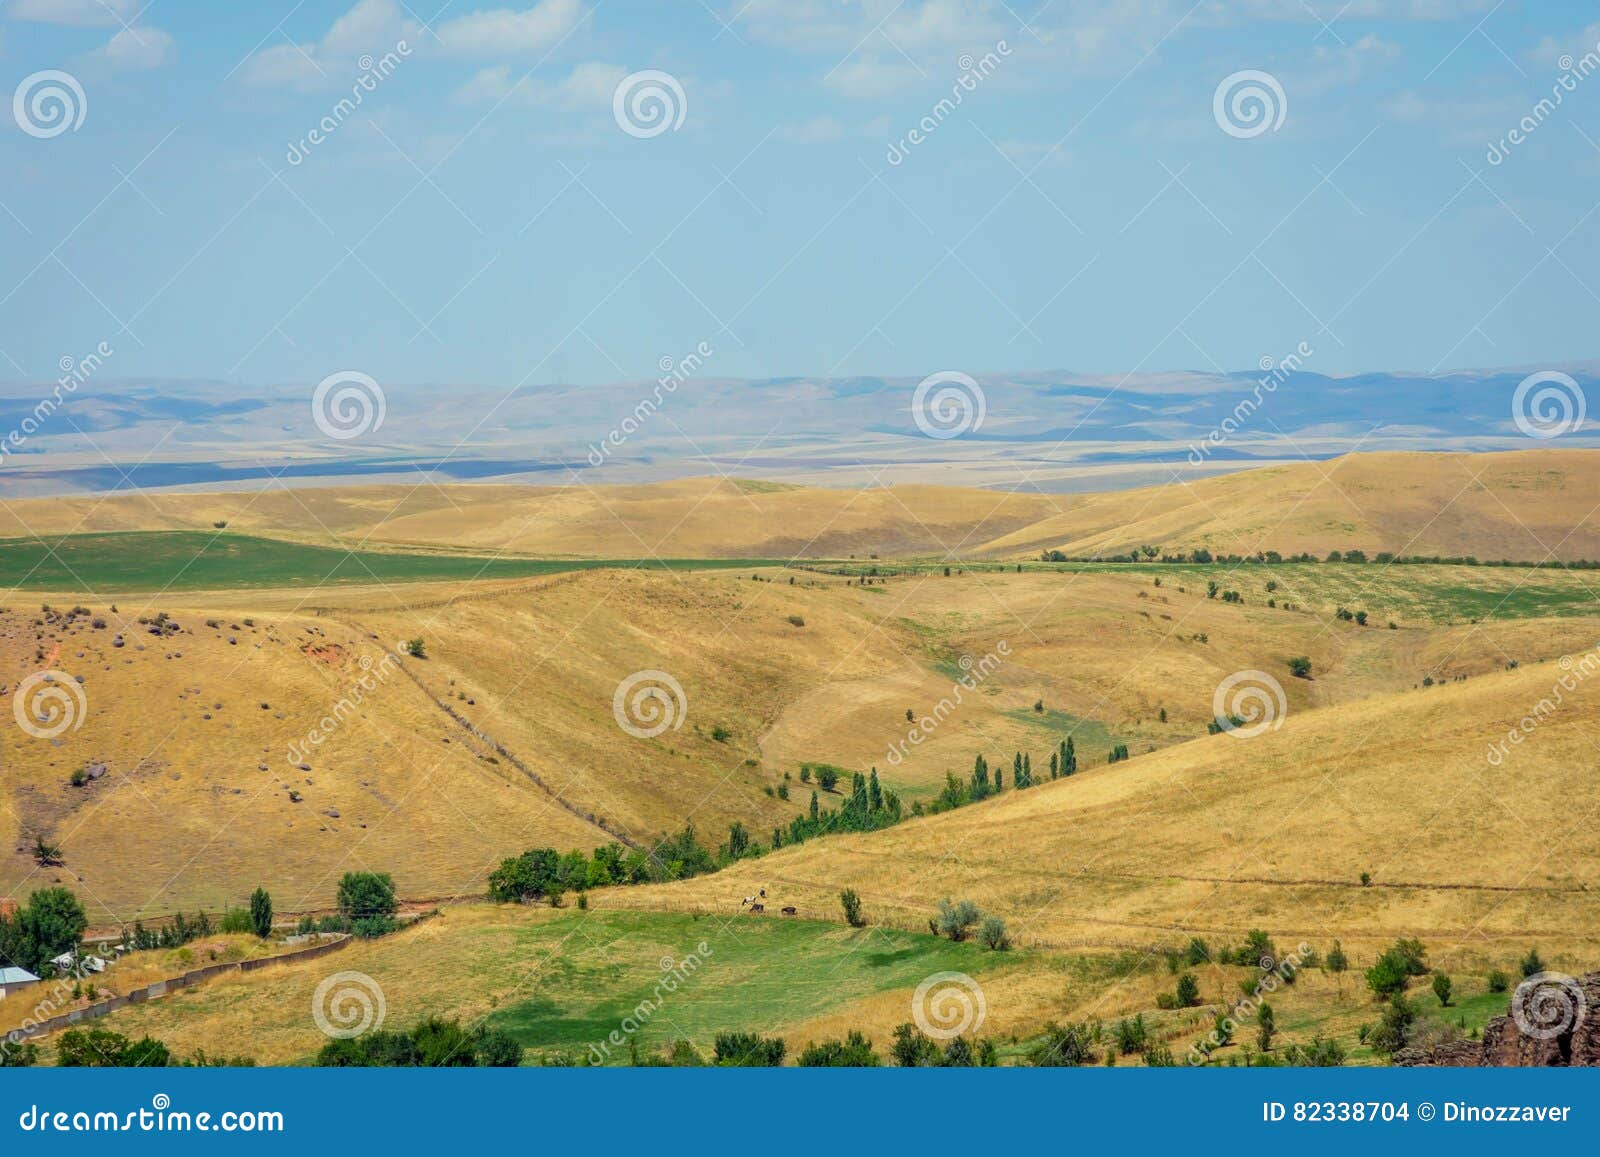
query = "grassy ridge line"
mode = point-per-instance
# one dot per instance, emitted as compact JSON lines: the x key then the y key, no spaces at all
{"x":199,"y":560}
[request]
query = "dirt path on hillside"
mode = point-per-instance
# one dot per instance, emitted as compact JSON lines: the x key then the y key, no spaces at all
{"x":610,"y":828}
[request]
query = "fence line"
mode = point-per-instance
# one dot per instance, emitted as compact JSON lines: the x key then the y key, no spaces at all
{"x":162,"y":987}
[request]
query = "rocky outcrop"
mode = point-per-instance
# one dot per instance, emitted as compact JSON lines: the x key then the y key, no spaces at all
{"x":1553,"y":1021}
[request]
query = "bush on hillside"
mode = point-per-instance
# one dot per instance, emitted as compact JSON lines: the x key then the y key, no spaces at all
{"x":955,"y":920}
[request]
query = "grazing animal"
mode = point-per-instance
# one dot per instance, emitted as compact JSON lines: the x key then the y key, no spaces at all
{"x":747,"y":900}
{"x":758,"y":907}
{"x":763,"y":893}
{"x":791,"y":911}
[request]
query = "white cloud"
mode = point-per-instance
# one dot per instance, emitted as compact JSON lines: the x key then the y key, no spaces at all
{"x":1460,"y":122}
{"x":870,"y":77}
{"x":827,"y":130}
{"x":921,"y":30}
{"x":1341,"y":65}
{"x":1233,"y":12}
{"x":1083,"y":33}
{"x":820,"y":130}
{"x":77,"y":13}
{"x":1549,"y":51}
{"x":589,"y":85}
{"x":1031,"y":155}
{"x":507,"y":31}
{"x":135,"y":49}
{"x":373,"y":27}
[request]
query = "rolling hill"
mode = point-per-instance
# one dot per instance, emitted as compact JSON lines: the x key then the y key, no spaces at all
{"x":266,"y":727}
{"x":1527,"y":506}
{"x":506,"y":734}
{"x":1220,"y":835}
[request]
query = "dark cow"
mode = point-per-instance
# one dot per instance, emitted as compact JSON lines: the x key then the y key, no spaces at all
{"x":758,"y":907}
{"x":791,"y":911}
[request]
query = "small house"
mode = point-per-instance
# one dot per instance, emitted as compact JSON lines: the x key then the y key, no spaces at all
{"x":12,"y":979}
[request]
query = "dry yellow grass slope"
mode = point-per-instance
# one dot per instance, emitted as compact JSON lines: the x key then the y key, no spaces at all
{"x":1221,"y":835}
{"x":688,"y":518}
{"x":505,"y":737}
{"x":1522,"y":505}
{"x":199,"y":798}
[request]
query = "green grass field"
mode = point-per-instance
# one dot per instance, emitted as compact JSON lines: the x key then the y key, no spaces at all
{"x":1407,"y":592}
{"x":1091,"y":739}
{"x":561,"y":981}
{"x":759,"y":974}
{"x":197,"y":560}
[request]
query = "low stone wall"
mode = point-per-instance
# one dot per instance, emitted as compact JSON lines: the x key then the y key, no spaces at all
{"x":159,"y":989}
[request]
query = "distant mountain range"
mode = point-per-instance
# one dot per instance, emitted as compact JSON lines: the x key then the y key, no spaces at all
{"x":1049,"y":431}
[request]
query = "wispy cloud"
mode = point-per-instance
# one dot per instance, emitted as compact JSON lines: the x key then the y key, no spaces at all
{"x":135,"y":49}
{"x":74,"y":13}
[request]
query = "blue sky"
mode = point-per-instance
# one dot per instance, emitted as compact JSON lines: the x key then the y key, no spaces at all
{"x":482,"y":216}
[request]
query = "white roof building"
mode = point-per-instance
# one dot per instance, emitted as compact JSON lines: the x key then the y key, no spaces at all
{"x":13,"y":978}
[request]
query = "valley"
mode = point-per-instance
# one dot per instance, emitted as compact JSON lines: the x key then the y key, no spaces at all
{"x":276,"y":711}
